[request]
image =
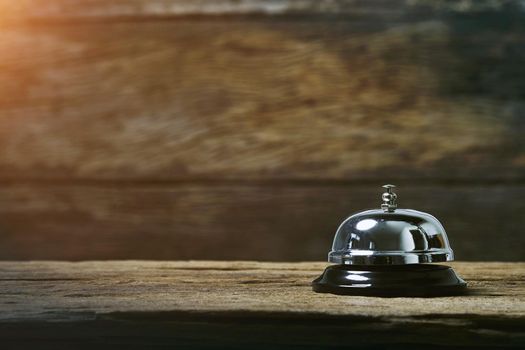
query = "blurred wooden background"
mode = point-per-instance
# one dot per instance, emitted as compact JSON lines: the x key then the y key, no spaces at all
{"x":171,"y":129}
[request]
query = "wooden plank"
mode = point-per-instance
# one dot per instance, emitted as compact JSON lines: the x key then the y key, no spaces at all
{"x":102,"y":9}
{"x":269,"y":98}
{"x":236,"y":304}
{"x":283,"y":223}
{"x":61,"y":8}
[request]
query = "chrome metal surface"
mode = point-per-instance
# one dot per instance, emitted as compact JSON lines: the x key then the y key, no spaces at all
{"x":389,"y":199}
{"x":390,"y":236}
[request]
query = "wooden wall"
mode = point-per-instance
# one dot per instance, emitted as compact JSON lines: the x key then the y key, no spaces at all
{"x":169,"y":129}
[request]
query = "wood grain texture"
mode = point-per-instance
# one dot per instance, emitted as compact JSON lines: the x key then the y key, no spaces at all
{"x":264,"y":99}
{"x":201,"y":304}
{"x":56,"y":9}
{"x":165,"y":129}
{"x":100,"y":9}
{"x":282,"y":223}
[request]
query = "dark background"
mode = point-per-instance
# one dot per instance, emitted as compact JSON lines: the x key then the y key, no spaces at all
{"x":170,"y":129}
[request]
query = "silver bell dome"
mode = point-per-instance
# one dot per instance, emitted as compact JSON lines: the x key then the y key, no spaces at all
{"x":390,"y":236}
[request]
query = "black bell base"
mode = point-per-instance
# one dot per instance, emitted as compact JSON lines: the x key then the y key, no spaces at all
{"x":413,"y":280}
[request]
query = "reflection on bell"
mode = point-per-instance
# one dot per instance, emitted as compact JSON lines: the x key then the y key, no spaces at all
{"x":387,"y":251}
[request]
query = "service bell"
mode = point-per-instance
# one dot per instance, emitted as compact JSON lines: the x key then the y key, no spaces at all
{"x":387,"y":252}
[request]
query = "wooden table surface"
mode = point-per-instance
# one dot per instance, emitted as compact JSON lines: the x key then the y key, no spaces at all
{"x":202,"y":304}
